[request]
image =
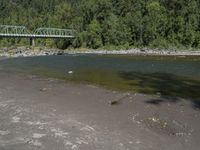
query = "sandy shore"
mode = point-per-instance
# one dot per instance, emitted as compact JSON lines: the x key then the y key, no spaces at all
{"x":48,"y":114}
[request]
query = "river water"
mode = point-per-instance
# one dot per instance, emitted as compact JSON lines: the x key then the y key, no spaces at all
{"x":177,"y":76}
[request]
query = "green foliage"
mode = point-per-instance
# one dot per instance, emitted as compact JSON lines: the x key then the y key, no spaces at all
{"x":160,"y":43}
{"x":78,"y":42}
{"x":108,"y":23}
{"x":93,"y":35}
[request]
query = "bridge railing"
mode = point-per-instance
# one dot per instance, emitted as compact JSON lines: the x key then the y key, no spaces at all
{"x":16,"y":30}
{"x":21,"y":31}
{"x":54,"y":32}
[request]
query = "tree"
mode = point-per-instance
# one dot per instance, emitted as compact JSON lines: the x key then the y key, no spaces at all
{"x":158,"y":23}
{"x":93,"y":36}
{"x":155,"y":22}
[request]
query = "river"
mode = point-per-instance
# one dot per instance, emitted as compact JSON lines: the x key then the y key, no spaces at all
{"x":176,"y":76}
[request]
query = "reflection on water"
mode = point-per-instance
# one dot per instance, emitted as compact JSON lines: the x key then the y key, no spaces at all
{"x":168,"y":76}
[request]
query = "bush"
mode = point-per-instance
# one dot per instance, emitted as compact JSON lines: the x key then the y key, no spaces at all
{"x":159,"y":43}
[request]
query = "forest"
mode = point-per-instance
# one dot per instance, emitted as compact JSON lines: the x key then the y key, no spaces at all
{"x":108,"y":23}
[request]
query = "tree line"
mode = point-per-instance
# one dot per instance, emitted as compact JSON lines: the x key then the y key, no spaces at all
{"x":109,"y":23}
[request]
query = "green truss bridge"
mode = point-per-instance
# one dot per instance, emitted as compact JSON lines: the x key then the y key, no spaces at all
{"x":8,"y":31}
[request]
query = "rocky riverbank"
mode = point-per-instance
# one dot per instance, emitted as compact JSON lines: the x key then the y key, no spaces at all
{"x":28,"y":52}
{"x":137,"y":51}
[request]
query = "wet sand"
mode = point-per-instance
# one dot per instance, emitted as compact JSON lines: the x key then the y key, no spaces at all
{"x":47,"y":114}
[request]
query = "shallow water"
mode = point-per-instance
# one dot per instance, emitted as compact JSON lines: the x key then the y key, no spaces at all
{"x":175,"y":76}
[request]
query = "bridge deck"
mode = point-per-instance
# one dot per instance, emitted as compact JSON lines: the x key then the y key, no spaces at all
{"x":34,"y":36}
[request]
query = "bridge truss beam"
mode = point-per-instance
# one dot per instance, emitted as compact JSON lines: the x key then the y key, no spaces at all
{"x":9,"y":31}
{"x":54,"y":32}
{"x":13,"y":30}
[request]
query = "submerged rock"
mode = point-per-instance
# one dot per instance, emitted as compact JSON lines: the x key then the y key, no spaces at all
{"x":70,"y":72}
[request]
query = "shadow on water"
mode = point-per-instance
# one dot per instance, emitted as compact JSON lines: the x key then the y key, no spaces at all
{"x":170,"y":87}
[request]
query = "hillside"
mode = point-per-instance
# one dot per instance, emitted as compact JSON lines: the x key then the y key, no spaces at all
{"x":107,"y":23}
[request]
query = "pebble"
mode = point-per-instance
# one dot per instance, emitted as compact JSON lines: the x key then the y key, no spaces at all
{"x":113,"y":102}
{"x":43,"y":89}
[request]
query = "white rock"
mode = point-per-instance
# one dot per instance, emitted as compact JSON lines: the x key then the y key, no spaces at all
{"x":70,"y":72}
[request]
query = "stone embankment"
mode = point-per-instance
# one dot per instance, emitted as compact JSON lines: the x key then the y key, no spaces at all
{"x":137,"y":51}
{"x":27,"y":52}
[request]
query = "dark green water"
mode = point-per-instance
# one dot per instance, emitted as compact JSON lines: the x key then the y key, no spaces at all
{"x":169,"y":76}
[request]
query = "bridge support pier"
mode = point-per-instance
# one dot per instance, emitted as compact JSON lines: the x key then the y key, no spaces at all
{"x":32,"y":42}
